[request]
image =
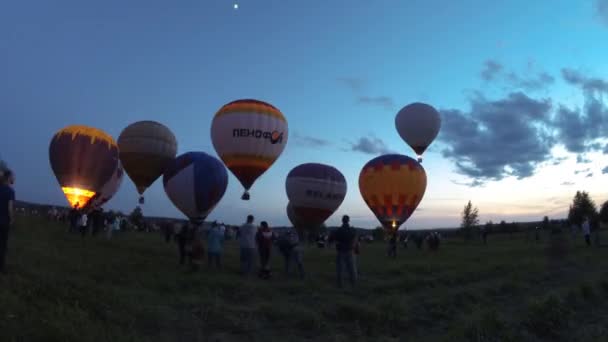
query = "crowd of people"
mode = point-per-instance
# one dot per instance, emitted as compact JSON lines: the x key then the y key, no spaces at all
{"x":256,"y":245}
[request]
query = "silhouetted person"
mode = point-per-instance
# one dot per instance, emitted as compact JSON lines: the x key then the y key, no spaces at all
{"x":83,"y":221}
{"x":182,"y":239}
{"x":345,"y":238}
{"x":587,"y":231}
{"x":7,"y":213}
{"x":295,"y":253}
{"x":392,"y":245}
{"x":215,"y":246}
{"x":73,"y":218}
{"x":247,"y":243}
{"x":264,"y":237}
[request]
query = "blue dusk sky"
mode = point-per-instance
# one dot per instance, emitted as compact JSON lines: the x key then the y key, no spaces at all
{"x":522,"y":87}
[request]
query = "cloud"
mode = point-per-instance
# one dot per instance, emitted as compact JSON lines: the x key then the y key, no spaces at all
{"x":605,"y":170}
{"x":535,"y":82}
{"x":576,"y":172}
{"x":582,"y":160}
{"x":473,"y":184}
{"x":589,"y":84}
{"x":601,"y":6}
{"x":491,"y":69}
{"x":370,"y":145}
{"x":577,"y":129}
{"x":567,"y":183}
{"x":499,"y":138}
{"x":353,"y":83}
{"x":310,"y":141}
{"x":382,"y":101}
{"x":357,"y":85}
{"x":589,"y":175}
{"x":494,"y":71}
{"x":558,"y":160}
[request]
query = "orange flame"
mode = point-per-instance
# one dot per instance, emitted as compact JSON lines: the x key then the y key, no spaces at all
{"x":77,"y":196}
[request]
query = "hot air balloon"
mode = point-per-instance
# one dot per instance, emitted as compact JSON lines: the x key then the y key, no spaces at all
{"x":315,"y":191}
{"x":195,"y":182}
{"x":418,"y":125}
{"x":83,"y":159}
{"x":146,"y":147}
{"x":249,"y":136}
{"x":296,"y":221}
{"x":392,"y":186}
{"x":109,"y":189}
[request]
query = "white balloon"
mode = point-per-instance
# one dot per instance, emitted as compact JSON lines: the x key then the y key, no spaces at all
{"x":418,"y":125}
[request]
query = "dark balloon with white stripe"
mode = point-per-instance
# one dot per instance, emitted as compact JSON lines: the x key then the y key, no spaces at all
{"x":195,"y":182}
{"x":315,"y":191}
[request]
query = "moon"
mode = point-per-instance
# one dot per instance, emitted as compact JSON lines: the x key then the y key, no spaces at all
{"x":236,"y":6}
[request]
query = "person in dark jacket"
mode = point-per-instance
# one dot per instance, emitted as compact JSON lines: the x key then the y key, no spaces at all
{"x":264,"y":238}
{"x":7,"y":212}
{"x":345,"y":238}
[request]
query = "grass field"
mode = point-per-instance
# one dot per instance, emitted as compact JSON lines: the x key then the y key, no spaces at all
{"x":60,"y":287}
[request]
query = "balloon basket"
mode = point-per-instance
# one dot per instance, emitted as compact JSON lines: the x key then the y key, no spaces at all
{"x":245,"y":196}
{"x":141,"y":200}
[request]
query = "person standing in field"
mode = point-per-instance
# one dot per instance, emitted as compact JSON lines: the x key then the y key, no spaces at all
{"x":246,"y":235}
{"x":345,"y":238}
{"x":587,"y":231}
{"x":7,"y":213}
{"x":215,"y":242}
{"x":82,"y":222}
{"x":182,"y":238}
{"x":264,"y":238}
{"x":392,"y":245}
{"x":295,"y":253}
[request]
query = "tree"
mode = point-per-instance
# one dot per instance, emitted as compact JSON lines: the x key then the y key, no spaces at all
{"x":470,"y":219}
{"x":603,"y":217}
{"x":582,"y":207}
{"x":545,"y":224}
{"x":503,"y":226}
{"x":489,"y":226}
{"x":136,"y":217}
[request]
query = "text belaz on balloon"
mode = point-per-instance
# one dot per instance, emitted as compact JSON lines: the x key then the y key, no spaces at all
{"x":319,"y":194}
{"x":274,"y":136}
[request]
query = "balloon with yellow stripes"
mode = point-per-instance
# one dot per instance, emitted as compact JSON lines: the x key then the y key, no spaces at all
{"x":392,"y":186}
{"x":83,"y":159}
{"x":249,"y":136}
{"x":146,"y":148}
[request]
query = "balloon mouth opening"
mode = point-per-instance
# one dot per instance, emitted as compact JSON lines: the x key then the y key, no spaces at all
{"x":77,"y":197}
{"x":245,"y":196}
{"x":394,"y":225}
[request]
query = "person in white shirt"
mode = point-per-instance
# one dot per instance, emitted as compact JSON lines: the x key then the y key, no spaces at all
{"x":587,"y":231}
{"x":82,"y":223}
{"x":247,"y":243}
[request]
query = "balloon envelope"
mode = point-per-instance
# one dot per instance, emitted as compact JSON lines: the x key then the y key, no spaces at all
{"x":296,"y":221}
{"x":315,"y":191}
{"x":392,"y":186}
{"x":249,"y":136}
{"x":83,"y":159}
{"x":418,"y":125}
{"x":146,"y":148}
{"x":195,"y":182}
{"x":109,"y":189}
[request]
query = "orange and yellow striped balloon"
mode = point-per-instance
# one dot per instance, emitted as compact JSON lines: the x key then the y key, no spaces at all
{"x":249,"y":136}
{"x":392,"y":186}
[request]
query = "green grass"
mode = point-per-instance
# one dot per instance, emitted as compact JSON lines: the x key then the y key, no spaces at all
{"x":63,"y":288}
